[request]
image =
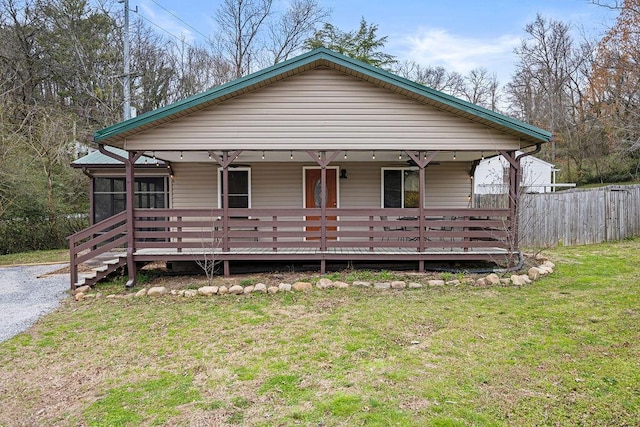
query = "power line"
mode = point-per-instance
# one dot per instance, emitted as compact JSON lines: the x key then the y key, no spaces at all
{"x":181,"y":20}
{"x":181,"y":40}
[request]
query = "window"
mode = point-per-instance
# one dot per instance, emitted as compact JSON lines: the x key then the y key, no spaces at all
{"x":400,"y":188}
{"x":239,"y":188}
{"x":109,"y":195}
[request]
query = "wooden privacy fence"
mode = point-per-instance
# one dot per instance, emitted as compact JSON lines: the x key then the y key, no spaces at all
{"x":574,"y":217}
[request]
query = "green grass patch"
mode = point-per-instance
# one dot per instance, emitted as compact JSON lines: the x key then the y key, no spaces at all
{"x":562,"y":351}
{"x":36,"y":257}
{"x":154,"y":401}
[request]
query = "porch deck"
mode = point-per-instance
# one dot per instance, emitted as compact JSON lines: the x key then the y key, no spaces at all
{"x":375,"y":234}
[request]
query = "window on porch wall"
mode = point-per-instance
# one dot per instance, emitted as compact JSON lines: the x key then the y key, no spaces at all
{"x":239,"y":188}
{"x":110,"y":195}
{"x":400,"y":188}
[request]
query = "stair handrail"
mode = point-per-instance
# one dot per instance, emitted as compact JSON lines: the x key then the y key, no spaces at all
{"x":96,"y":234}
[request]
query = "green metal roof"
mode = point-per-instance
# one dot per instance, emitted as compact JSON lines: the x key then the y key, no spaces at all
{"x":98,"y":159}
{"x":202,"y":99}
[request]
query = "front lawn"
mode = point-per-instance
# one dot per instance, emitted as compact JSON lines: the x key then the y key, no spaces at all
{"x":36,"y":257}
{"x":562,"y":351}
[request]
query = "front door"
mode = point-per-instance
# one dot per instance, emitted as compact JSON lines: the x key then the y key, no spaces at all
{"x":313,"y":193}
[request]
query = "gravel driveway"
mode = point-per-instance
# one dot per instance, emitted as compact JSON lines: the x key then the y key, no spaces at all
{"x":24,"y":297}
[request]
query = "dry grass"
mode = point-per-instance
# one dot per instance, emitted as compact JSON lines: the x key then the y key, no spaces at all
{"x":563,"y":351}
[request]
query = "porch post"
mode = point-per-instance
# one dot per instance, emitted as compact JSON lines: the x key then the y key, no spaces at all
{"x":130,"y":203}
{"x":514,"y":194}
{"x":422,"y":163}
{"x":225,"y":202}
{"x":323,"y":201}
{"x":129,"y":165}
{"x":322,"y":160}
{"x":224,"y":161}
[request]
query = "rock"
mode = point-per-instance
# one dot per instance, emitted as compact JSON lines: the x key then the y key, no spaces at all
{"x":340,"y":285}
{"x":260,"y":287}
{"x":181,"y":292}
{"x":189,"y":293}
{"x":302,"y":286}
{"x":236,"y":290}
{"x":549,"y":264}
{"x":546,"y":269}
{"x":398,"y":284}
{"x":324,"y":283}
{"x":435,"y":282}
{"x":382,"y":285}
{"x":223,"y":290}
{"x":174,"y":292}
{"x":414,"y":285}
{"x":284,"y":287}
{"x":208,"y":290}
{"x":469,"y":281}
{"x":534,"y":273}
{"x":493,"y":279}
{"x":273,"y":289}
{"x":248,"y":289}
{"x":141,"y":293}
{"x":481,"y":282}
{"x":84,"y":289}
{"x":517,"y":280}
{"x":363,"y":284}
{"x":505,"y":281}
{"x":525,"y":278}
{"x":111,"y":296}
{"x":131,"y":295}
{"x":157,"y":291}
{"x":79,"y":296}
{"x":454,"y":282}
{"x":99,"y":295}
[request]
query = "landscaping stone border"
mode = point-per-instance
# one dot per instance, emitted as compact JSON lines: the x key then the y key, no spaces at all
{"x":534,"y":273}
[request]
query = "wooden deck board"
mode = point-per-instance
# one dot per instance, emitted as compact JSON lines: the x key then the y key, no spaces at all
{"x":310,"y":251}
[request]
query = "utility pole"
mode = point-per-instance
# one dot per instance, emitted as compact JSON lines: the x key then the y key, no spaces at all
{"x":126,"y":109}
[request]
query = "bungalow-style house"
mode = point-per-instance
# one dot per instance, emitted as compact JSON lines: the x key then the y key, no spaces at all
{"x":319,"y":158}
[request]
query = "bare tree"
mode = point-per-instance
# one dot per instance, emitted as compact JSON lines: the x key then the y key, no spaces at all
{"x":437,"y":78}
{"x":549,"y":80}
{"x":198,"y":69}
{"x":614,"y":92}
{"x":482,"y":88}
{"x":240,"y":23}
{"x":49,"y":139}
{"x":289,"y":32}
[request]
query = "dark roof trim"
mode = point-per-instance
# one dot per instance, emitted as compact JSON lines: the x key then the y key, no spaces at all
{"x":308,"y":58}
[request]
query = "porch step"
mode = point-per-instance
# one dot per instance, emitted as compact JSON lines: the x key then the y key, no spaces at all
{"x":102,"y":272}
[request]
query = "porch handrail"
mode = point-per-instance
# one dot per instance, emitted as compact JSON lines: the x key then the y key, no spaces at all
{"x":278,"y":228}
{"x":96,"y":239}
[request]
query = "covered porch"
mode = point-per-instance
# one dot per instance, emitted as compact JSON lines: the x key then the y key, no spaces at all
{"x":321,"y":231}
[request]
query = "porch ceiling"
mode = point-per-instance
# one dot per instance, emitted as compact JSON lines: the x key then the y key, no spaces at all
{"x":257,"y":156}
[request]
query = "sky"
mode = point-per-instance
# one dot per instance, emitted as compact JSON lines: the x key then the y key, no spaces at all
{"x":459,"y":35}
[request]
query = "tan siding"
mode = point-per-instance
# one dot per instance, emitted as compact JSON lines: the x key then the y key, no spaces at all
{"x":276,"y":185}
{"x":194,"y":186}
{"x":361,"y":189}
{"x":448,"y":185}
{"x":321,"y":109}
{"x":280,"y":185}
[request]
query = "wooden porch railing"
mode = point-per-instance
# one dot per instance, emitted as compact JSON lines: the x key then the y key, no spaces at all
{"x":266,"y":231}
{"x":278,"y":229}
{"x":101,"y":237}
